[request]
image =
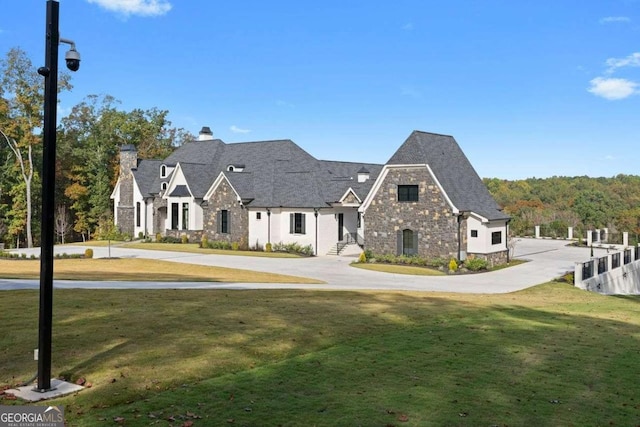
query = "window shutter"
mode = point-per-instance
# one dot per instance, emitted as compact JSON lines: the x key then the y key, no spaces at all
{"x":219,"y":221}
{"x":415,"y":243}
{"x":399,"y":249}
{"x":229,"y":222}
{"x":302,"y":222}
{"x":292,"y":223}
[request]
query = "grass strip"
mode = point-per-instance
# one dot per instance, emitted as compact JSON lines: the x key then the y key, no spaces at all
{"x":141,"y":270}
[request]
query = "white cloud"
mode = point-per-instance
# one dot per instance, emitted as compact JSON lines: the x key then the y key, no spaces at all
{"x":613,"y":89}
{"x":236,"y":129}
{"x":615,"y":19}
{"x":632,"y":60}
{"x":135,"y":7}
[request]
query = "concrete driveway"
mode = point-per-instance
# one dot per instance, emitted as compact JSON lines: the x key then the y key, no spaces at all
{"x":548,"y":259}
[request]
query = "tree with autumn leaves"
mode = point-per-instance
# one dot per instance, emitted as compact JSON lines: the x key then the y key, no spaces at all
{"x":88,"y":144}
{"x":580,"y":202}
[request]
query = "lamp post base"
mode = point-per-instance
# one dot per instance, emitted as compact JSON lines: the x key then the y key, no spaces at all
{"x":33,"y":394}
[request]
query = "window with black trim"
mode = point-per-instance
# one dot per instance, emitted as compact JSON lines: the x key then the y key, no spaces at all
{"x":496,"y":237}
{"x":163,"y":171}
{"x":407,"y":193}
{"x":185,"y":216}
{"x":297,"y":223}
{"x":474,"y":233}
{"x":137,"y":214}
{"x":258,"y":215}
{"x":223,"y":222}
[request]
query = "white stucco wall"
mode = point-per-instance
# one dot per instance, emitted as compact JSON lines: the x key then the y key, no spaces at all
{"x":327,"y":235}
{"x":624,"y":280}
{"x":482,"y":244}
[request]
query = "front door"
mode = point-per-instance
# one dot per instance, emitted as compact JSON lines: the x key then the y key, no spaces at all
{"x":340,"y":227}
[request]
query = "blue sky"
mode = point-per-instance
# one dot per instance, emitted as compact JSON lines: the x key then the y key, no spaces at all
{"x":528,"y":89}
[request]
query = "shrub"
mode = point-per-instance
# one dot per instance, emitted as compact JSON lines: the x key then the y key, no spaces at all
{"x":88,"y":253}
{"x":204,"y":241}
{"x":171,"y":239}
{"x":268,"y":247}
{"x":23,"y":255}
{"x":184,"y":239}
{"x":368,"y":254}
{"x":140,"y":235}
{"x":476,"y":264}
{"x":453,"y":265}
{"x":158,"y":237}
{"x":33,"y":256}
{"x":436,"y":262}
{"x":235,"y":246}
{"x":220,"y":244}
{"x":362,"y":258}
{"x":293,"y":248}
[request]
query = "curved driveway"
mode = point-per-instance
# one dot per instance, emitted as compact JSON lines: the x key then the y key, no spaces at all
{"x":548,"y":259}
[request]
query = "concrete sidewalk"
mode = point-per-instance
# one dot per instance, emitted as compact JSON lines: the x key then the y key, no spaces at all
{"x":548,"y":259}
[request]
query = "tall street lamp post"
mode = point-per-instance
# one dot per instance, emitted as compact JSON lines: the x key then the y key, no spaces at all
{"x":50,"y":74}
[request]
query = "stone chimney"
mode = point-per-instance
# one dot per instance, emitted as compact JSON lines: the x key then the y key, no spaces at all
{"x":124,"y":205}
{"x":363,"y":174}
{"x":205,"y":134}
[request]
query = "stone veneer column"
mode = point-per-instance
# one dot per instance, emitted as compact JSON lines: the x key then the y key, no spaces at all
{"x":124,"y":205}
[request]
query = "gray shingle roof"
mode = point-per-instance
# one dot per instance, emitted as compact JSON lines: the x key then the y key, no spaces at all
{"x":452,"y":168}
{"x":146,"y":174}
{"x":202,"y":152}
{"x":180,"y":191}
{"x":338,"y":177}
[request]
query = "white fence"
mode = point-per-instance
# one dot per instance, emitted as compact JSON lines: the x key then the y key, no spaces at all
{"x":616,"y":273}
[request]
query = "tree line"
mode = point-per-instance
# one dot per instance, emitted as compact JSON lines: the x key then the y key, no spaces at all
{"x":559,"y":202}
{"x":88,"y":141}
{"x":89,"y":137}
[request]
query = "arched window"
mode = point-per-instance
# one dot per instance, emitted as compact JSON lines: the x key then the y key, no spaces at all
{"x":163,"y":186}
{"x":163,"y":171}
{"x":230,"y":168}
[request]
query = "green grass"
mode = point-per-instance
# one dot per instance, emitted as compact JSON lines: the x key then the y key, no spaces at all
{"x":191,"y":248}
{"x":398,"y":269}
{"x":547,"y":356}
{"x":141,"y":270}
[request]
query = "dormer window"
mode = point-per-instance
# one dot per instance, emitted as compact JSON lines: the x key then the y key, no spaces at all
{"x":163,"y":186}
{"x":163,"y":171}
{"x":235,"y":168}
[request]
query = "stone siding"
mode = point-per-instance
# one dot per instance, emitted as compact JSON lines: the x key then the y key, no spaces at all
{"x":431,"y":217}
{"x":494,"y":258}
{"x":159,"y":215}
{"x":125,"y":208}
{"x":225,"y":198}
{"x":195,"y":236}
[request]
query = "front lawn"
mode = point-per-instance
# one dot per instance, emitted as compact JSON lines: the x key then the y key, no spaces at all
{"x":547,"y":356}
{"x":196,"y":249}
{"x":398,"y":269}
{"x":140,"y":270}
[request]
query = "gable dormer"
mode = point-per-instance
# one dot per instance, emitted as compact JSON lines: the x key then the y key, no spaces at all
{"x":165,"y":170}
